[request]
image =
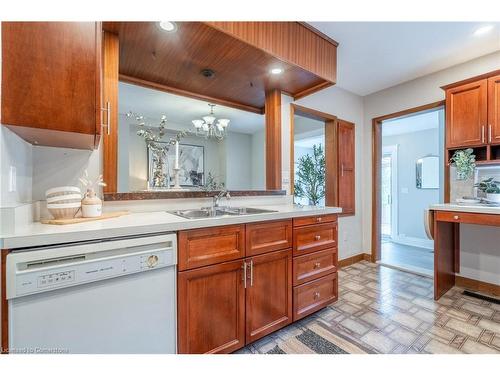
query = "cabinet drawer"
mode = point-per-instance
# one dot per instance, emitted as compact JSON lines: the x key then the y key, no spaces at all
{"x":467,"y":218}
{"x":317,"y":219}
{"x":314,"y":237}
{"x":314,"y":295}
{"x":203,"y":247}
{"x":312,"y":266}
{"x":268,"y":236}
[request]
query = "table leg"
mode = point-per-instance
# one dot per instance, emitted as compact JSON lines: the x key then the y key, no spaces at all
{"x":444,"y":257}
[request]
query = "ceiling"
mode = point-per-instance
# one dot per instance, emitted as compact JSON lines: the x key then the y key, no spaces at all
{"x":373,"y":56}
{"x":413,"y":123}
{"x":180,"y":109}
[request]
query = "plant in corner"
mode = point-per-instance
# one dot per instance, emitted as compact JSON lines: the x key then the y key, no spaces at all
{"x":491,"y":188}
{"x":465,"y":162}
{"x":310,"y":178}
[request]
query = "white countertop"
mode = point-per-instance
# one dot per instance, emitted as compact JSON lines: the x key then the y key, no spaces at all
{"x":466,"y":208}
{"x":37,"y":234}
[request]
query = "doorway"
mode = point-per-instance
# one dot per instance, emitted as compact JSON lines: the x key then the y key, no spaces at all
{"x":409,"y":178}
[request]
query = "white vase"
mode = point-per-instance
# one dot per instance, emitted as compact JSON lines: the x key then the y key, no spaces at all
{"x":494,"y":197}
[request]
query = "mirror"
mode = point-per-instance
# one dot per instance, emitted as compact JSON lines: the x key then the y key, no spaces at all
{"x":427,"y":176}
{"x":149,"y":157}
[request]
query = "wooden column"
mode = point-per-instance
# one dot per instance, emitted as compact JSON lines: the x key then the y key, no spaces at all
{"x":110,"y":95}
{"x":273,"y":139}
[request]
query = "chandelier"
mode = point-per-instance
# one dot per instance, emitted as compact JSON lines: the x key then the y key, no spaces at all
{"x":210,"y":127}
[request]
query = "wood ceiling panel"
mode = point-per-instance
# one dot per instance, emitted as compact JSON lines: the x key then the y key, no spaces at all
{"x":176,"y":60}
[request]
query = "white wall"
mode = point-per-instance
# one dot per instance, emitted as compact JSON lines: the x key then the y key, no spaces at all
{"x":346,"y":106}
{"x":411,"y":94}
{"x":259,"y":160}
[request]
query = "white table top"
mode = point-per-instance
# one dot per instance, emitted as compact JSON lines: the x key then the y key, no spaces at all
{"x":37,"y":234}
{"x":465,"y":208}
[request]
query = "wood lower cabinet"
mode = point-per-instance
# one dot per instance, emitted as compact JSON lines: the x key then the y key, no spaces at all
{"x":51,"y":82}
{"x":228,"y":298}
{"x":211,"y":309}
{"x":268,"y":293}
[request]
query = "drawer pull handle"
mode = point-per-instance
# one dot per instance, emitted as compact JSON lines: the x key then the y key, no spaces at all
{"x":318,"y":219}
{"x":317,"y":265}
{"x":317,"y":238}
{"x":456,"y":217}
{"x":316,"y":295}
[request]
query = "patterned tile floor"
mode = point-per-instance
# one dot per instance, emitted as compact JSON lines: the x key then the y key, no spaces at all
{"x":388,"y":311}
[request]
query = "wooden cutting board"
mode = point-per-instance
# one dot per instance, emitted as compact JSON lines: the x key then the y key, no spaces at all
{"x":76,"y":220}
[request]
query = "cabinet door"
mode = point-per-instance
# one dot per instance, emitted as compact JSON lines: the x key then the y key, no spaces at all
{"x":211,"y":309}
{"x":494,"y":109}
{"x":268,"y":293}
{"x":51,"y":82}
{"x":346,"y":160}
{"x":466,"y":114}
{"x":268,"y":236}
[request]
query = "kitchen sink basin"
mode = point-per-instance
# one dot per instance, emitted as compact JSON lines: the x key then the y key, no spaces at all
{"x":218,"y":212}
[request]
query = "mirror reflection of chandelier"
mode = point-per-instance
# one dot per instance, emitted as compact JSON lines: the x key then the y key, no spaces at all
{"x":210,"y":127}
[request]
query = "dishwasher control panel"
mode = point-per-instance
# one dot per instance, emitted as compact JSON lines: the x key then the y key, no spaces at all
{"x":51,"y":275}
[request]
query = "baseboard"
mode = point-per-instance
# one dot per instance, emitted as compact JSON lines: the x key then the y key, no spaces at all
{"x":354,"y":259}
{"x":477,"y":285}
{"x":414,"y":241}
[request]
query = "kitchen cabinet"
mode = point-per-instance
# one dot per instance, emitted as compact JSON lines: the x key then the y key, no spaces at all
{"x":473,"y":117}
{"x":268,"y":293}
{"x":494,"y":109}
{"x":237,"y":283}
{"x":211,"y":309}
{"x":466,"y":114}
{"x":346,"y":170}
{"x":51,"y":82}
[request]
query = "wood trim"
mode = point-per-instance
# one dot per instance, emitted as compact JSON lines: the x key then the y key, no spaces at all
{"x":477,"y":285}
{"x":376,"y":166}
{"x":319,"y":33}
{"x":471,"y":79}
{"x":148,"y":195}
{"x":331,"y":163}
{"x":311,"y":113}
{"x":110,"y":94}
{"x":312,"y":90}
{"x":273,"y":140}
{"x":4,"y":344}
{"x":292,"y":150}
{"x":354,"y":259}
{"x":188,"y":94}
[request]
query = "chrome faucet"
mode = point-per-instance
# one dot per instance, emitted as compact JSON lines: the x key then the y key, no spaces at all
{"x":217,"y":198}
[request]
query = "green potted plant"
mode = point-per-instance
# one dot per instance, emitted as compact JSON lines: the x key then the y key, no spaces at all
{"x":465,"y":162}
{"x":310,"y":176}
{"x":491,"y":188}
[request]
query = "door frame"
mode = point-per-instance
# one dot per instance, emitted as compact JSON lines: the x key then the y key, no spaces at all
{"x":393,"y":150}
{"x":331,"y":178}
{"x":376,"y":170}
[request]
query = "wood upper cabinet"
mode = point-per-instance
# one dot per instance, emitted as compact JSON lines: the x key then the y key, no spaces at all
{"x":211,"y":309}
{"x":494,"y":109}
{"x":466,"y":114}
{"x":268,"y":293}
{"x":51,"y":82}
{"x":346,"y":167}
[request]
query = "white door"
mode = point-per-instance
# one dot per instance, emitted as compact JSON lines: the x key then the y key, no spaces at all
{"x":389,"y":193}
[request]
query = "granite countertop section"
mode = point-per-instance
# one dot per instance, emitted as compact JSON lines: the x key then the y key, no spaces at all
{"x":37,"y":234}
{"x":465,"y":208}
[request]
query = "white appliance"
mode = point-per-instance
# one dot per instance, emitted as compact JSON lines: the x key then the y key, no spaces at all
{"x":116,"y":296}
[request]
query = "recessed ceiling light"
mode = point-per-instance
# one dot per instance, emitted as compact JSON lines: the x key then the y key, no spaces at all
{"x":483,"y":30}
{"x":276,"y":71}
{"x":168,"y":26}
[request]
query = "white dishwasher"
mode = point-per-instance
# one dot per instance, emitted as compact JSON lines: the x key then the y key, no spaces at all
{"x":115,"y":296}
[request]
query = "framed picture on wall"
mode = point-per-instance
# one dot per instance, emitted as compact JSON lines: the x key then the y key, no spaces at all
{"x":191,"y":164}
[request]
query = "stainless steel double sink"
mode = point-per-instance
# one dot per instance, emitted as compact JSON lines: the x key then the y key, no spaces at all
{"x":218,"y":212}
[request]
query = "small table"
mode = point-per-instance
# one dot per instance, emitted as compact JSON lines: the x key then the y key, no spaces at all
{"x":446,"y":228}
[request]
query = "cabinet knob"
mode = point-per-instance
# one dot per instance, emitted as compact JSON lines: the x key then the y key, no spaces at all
{"x":317,"y":237}
{"x":456,"y":217}
{"x":317,"y":265}
{"x":316,"y":295}
{"x":318,"y":219}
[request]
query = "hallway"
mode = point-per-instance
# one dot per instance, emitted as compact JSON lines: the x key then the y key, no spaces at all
{"x":416,"y":259}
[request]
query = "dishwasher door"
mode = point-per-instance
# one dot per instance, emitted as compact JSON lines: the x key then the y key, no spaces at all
{"x":115,"y":297}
